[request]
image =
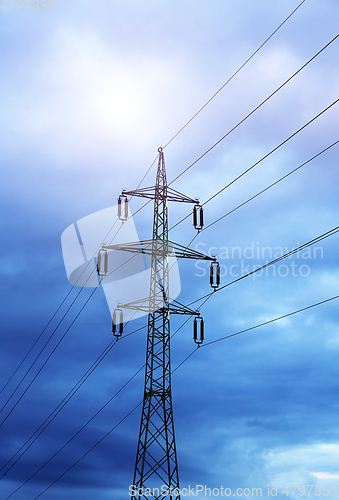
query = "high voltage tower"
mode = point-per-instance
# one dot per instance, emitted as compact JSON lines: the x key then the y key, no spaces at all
{"x":156,"y":468}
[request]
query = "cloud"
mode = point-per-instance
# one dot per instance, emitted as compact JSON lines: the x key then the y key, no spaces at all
{"x":325,"y":475}
{"x":297,"y":463}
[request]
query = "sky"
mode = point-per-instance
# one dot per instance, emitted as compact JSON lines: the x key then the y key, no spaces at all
{"x":88,"y":92}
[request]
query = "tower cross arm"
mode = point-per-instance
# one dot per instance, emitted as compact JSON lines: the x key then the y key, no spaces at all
{"x":174,"y":307}
{"x":171,"y":194}
{"x":177,"y":308}
{"x":161,"y":247}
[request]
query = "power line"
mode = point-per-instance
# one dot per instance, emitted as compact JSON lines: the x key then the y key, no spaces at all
{"x":30,"y":350}
{"x":83,"y":456}
{"x":90,"y":420}
{"x":61,"y":405}
{"x":50,"y":355}
{"x":67,"y":398}
{"x":57,"y":410}
{"x":56,"y":328}
{"x":37,"y":357}
{"x":264,"y":158}
{"x":271,"y":185}
{"x":208,"y":296}
{"x":86,"y":302}
{"x":201,"y":156}
{"x":274,"y":149}
{"x":234,"y":74}
{"x":41,"y":351}
{"x":323,"y":236}
{"x":74,"y":436}
{"x":270,"y":321}
{"x":57,"y":345}
{"x":221,"y":190}
{"x":67,"y":295}
{"x":225,"y":137}
{"x":254,"y":110}
{"x":187,"y":357}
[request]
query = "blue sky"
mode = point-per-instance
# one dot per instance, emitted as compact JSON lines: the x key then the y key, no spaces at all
{"x":88,"y":92}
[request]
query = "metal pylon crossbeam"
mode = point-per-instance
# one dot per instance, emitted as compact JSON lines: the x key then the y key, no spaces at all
{"x":164,"y":249}
{"x":171,"y":307}
{"x":151,"y":192}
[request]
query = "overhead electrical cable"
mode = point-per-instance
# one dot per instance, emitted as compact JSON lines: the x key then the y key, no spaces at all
{"x":268,"y":187}
{"x":244,"y":174}
{"x":54,"y":349}
{"x":323,"y":236}
{"x":214,"y":144}
{"x":250,"y":115}
{"x":264,"y":158}
{"x":49,"y":322}
{"x":234,"y":74}
{"x":50,"y":355}
{"x":318,"y":239}
{"x":63,"y":301}
{"x":56,"y":411}
{"x":39,"y":354}
{"x":208,"y":296}
{"x":254,"y":110}
{"x":90,"y":420}
{"x":62,"y":404}
{"x":83,"y":456}
{"x":270,"y":321}
{"x":274,"y":149}
{"x":73,"y":286}
{"x":182,"y":362}
{"x":254,"y":196}
{"x":219,"y":141}
{"x":36,"y":341}
{"x":58,"y":325}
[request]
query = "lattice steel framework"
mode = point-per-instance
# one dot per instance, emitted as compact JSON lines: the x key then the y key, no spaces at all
{"x":156,"y":461}
{"x":156,"y":468}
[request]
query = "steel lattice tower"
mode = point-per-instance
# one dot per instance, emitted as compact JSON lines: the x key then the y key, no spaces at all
{"x":156,"y":452}
{"x":156,"y":468}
